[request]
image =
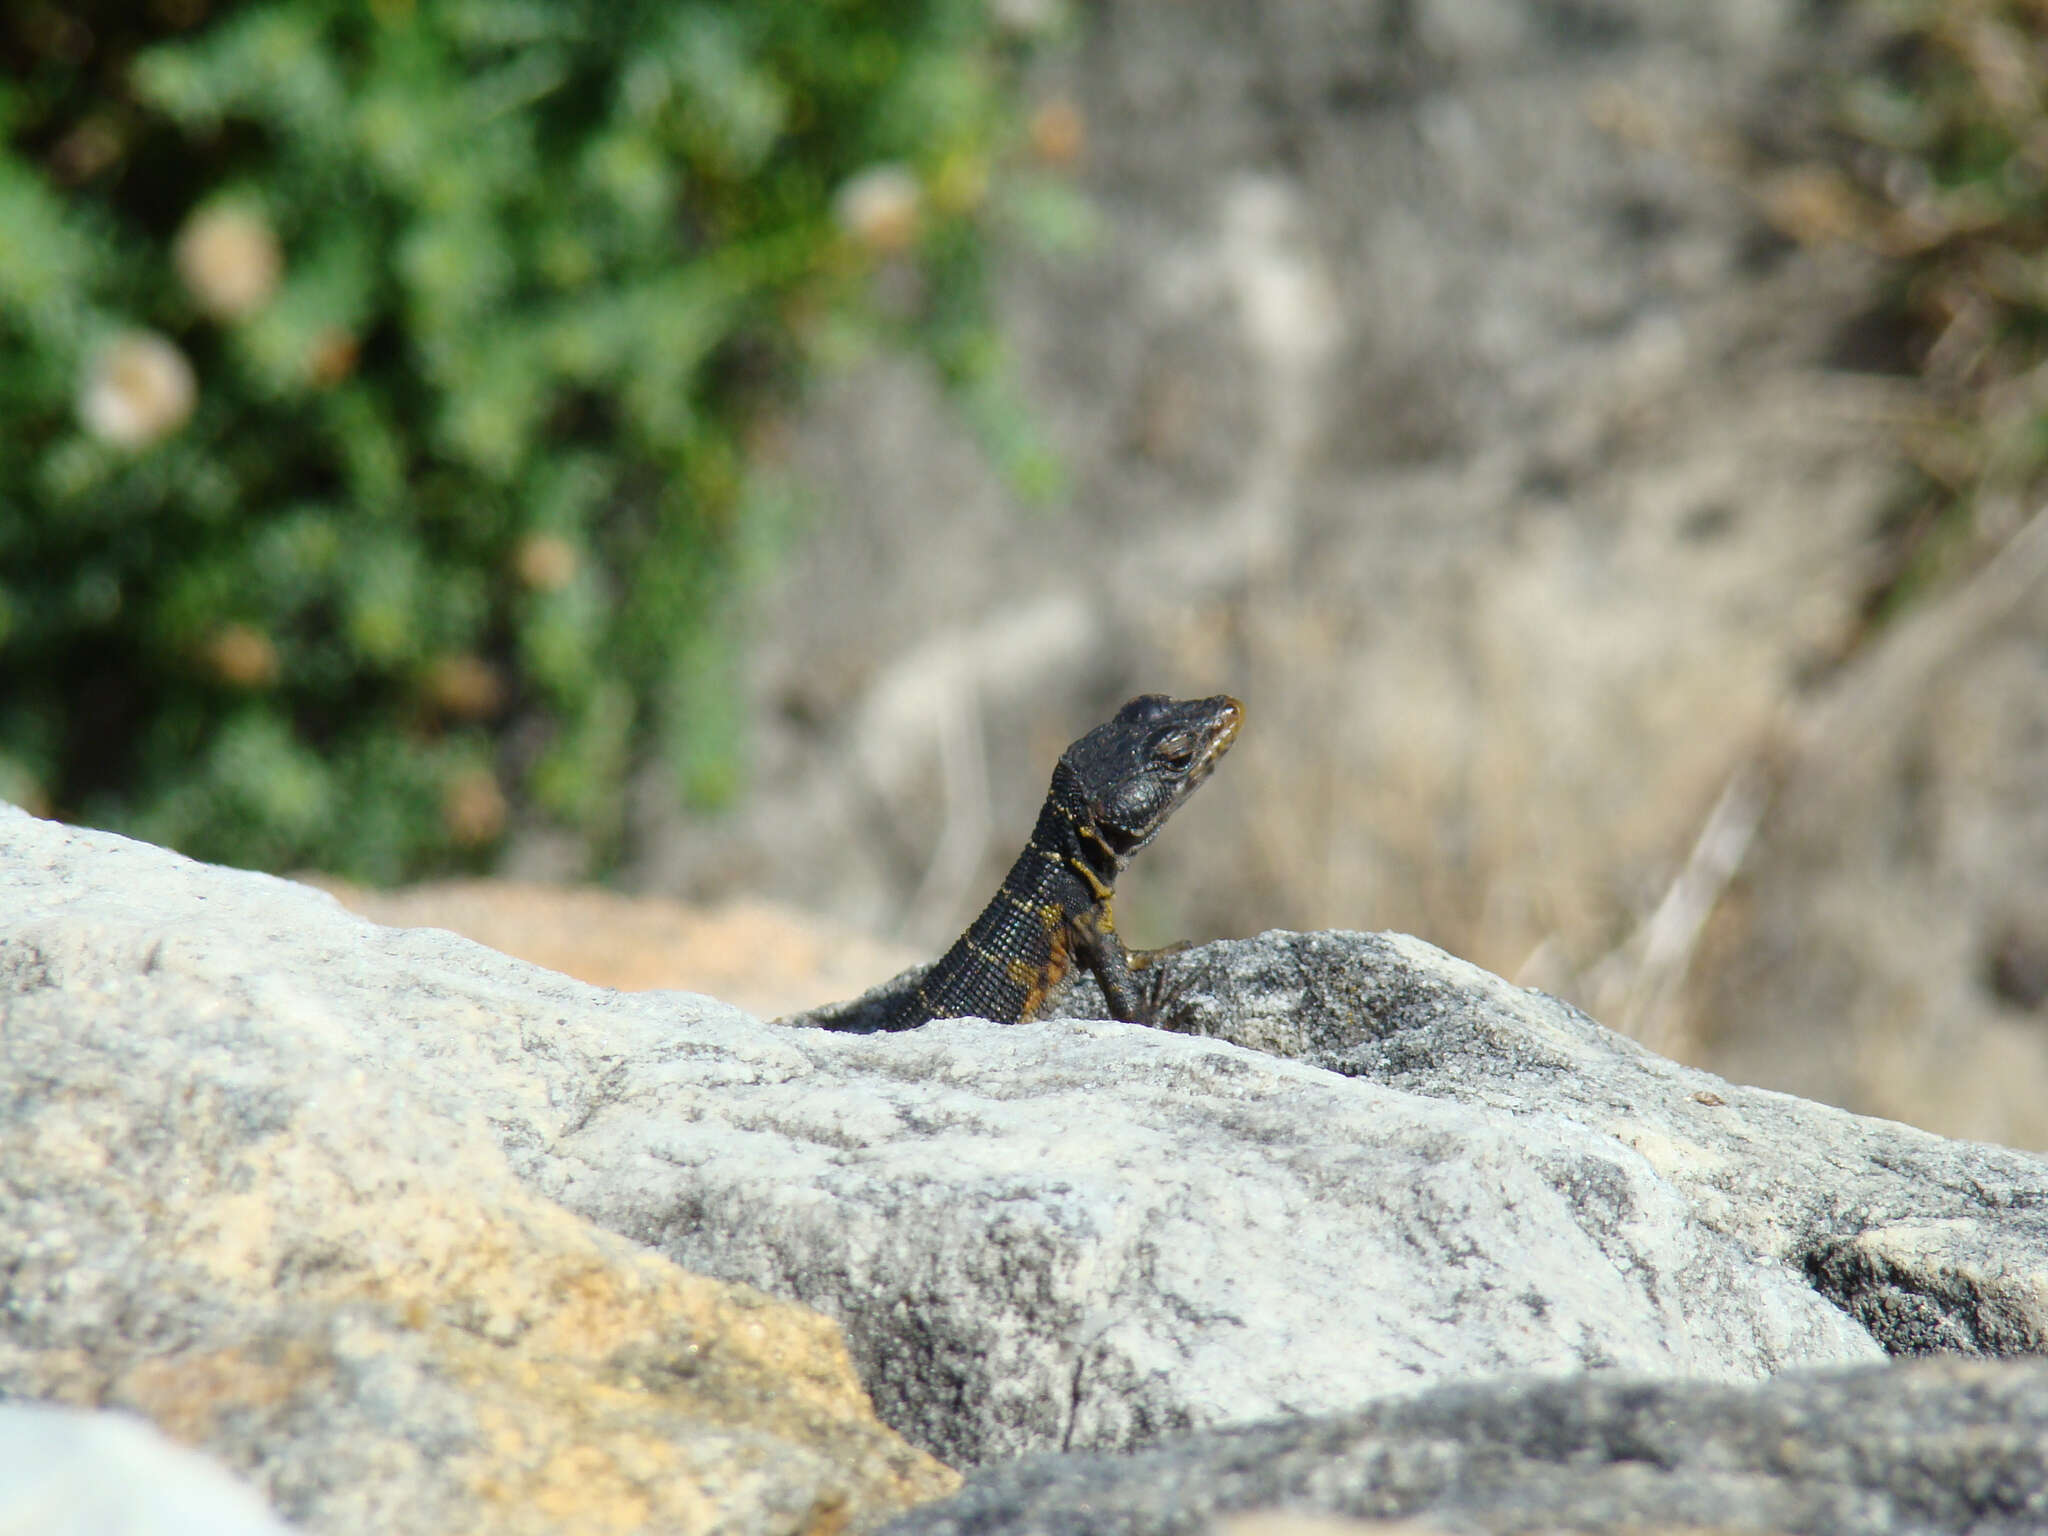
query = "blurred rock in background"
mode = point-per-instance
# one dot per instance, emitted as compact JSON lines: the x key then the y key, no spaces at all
{"x":1888,"y":947}
{"x":768,"y":959}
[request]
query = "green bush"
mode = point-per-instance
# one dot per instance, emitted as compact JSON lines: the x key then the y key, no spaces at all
{"x":377,"y":385}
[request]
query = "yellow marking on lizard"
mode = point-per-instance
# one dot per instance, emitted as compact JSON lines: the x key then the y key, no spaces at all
{"x":1049,"y":913}
{"x":1049,"y":976}
{"x":1100,"y":888}
{"x":1022,"y":904}
{"x":979,"y":953}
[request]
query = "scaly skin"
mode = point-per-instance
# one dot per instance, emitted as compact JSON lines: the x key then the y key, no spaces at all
{"x":1111,"y":793}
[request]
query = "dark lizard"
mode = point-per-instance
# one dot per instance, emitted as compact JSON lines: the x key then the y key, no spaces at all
{"x":1111,"y":793}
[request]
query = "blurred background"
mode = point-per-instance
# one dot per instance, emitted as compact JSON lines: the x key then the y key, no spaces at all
{"x":728,"y":450}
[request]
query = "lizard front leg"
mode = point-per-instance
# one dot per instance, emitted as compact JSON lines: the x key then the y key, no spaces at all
{"x":1150,"y":971}
{"x":1097,"y":947}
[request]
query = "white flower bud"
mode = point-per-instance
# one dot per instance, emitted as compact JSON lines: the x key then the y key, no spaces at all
{"x":137,"y":388}
{"x":1028,"y":18}
{"x":881,"y":208}
{"x":229,"y":260}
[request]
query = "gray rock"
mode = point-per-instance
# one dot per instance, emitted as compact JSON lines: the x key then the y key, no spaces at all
{"x":68,"y":1472}
{"x":1919,"y":1238}
{"x":1924,"y":1447}
{"x":1074,"y":1234}
{"x":1086,"y":1233}
{"x":252,"y":1192}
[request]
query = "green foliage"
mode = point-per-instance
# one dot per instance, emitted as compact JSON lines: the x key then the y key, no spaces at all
{"x":1948,"y":137}
{"x":375,"y":381}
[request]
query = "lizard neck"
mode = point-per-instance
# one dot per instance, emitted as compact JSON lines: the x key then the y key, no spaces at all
{"x":1066,"y":826}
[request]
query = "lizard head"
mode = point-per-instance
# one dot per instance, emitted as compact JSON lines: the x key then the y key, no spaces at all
{"x":1137,"y":769}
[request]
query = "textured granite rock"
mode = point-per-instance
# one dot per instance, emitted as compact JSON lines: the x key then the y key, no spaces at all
{"x":1069,"y":1235}
{"x":252,"y":1192}
{"x":1931,"y":1244}
{"x":1921,"y":1447}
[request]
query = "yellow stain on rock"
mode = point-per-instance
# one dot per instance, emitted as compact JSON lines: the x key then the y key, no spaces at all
{"x":393,"y":1287}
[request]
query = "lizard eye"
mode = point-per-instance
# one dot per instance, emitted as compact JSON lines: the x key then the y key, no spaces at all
{"x":1176,"y":751}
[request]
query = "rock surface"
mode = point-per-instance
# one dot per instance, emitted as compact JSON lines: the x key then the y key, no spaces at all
{"x":253,"y":1193}
{"x":1069,"y":1235}
{"x":1924,"y":1448}
{"x":1930,"y":1244}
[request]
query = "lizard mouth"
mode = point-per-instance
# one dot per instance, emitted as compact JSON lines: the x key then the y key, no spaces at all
{"x":1216,"y":739}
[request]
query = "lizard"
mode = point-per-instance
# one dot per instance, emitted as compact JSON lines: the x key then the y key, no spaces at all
{"x":1111,"y":793}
